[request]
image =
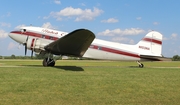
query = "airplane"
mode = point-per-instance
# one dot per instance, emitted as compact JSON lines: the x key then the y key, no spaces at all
{"x":82,"y":43}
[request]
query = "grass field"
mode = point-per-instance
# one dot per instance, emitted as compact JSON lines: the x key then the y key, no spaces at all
{"x":83,"y":82}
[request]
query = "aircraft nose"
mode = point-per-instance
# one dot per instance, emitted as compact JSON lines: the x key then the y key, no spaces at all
{"x":11,"y":35}
{"x":17,"y":36}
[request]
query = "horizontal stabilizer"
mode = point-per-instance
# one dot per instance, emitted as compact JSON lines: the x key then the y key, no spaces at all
{"x":154,"y":58}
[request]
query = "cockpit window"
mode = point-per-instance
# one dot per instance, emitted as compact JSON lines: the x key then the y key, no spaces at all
{"x":23,"y":30}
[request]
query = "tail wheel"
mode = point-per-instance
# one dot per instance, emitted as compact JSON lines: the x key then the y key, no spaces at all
{"x":141,"y":65}
{"x":48,"y":62}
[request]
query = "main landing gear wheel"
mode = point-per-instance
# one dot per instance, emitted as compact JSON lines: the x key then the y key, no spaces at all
{"x":140,"y":64}
{"x":48,"y":62}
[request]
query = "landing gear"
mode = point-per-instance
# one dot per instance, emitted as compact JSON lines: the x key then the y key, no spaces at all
{"x":48,"y":62}
{"x":140,"y":64}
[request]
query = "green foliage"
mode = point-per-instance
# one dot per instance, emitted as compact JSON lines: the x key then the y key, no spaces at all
{"x":13,"y":56}
{"x":16,"y":57}
{"x":39,"y":56}
{"x":89,"y":82}
{"x":176,"y":58}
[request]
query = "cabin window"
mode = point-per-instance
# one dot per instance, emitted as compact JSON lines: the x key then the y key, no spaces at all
{"x":50,"y":37}
{"x":43,"y":36}
{"x":99,"y":48}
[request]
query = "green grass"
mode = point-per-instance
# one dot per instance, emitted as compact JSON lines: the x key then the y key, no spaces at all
{"x":73,"y":82}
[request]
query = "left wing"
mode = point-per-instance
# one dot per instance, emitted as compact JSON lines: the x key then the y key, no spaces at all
{"x":75,"y":43}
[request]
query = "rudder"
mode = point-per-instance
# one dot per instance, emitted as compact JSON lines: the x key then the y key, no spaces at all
{"x":151,"y":44}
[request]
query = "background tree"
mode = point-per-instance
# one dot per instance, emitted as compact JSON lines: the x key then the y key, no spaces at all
{"x":176,"y":58}
{"x":13,"y":56}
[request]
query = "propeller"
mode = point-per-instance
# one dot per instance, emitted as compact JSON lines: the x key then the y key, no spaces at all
{"x":25,"y":44}
{"x":32,"y":53}
{"x":19,"y":46}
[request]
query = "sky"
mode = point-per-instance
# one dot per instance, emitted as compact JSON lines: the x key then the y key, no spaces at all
{"x":123,"y":21}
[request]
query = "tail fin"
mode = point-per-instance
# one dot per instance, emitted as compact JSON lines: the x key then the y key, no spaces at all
{"x":151,"y":44}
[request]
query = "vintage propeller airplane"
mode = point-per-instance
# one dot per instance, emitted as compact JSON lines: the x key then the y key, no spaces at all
{"x":82,"y":43}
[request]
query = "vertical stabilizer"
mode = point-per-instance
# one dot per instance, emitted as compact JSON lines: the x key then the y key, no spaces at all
{"x":151,"y":44}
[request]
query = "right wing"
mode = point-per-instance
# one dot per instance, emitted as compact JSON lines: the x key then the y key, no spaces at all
{"x":75,"y":43}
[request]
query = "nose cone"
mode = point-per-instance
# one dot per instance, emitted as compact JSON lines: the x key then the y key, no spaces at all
{"x":17,"y":36}
{"x":11,"y":35}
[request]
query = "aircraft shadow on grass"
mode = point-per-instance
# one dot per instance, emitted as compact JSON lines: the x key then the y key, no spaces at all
{"x":133,"y":66}
{"x":70,"y":68}
{"x":67,"y":68}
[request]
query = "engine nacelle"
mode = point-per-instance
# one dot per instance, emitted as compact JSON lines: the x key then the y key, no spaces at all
{"x":36,"y":45}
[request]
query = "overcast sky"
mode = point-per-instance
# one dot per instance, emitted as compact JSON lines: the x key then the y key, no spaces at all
{"x":123,"y":21}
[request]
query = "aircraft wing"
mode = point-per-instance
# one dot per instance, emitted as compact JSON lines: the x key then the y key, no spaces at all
{"x":154,"y":58}
{"x":75,"y":43}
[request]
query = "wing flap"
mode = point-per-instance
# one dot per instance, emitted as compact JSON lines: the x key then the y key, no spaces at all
{"x":75,"y":43}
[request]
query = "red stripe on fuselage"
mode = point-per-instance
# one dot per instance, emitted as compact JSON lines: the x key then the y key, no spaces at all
{"x":35,"y":35}
{"x":152,"y":40}
{"x":114,"y":51}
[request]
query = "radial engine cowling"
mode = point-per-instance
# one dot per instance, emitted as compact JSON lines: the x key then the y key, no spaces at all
{"x":35,"y":44}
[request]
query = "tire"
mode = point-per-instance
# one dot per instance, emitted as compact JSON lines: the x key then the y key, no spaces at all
{"x":141,"y":65}
{"x":45,"y":62}
{"x":49,"y":62}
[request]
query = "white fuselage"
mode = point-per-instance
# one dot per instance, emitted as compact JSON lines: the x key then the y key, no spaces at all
{"x":99,"y":49}
{"x":107,"y":50}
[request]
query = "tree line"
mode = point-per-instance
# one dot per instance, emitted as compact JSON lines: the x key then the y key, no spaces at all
{"x":174,"y":58}
{"x":37,"y":56}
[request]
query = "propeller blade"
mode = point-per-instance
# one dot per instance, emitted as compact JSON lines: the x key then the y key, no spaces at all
{"x":19,"y":46}
{"x":27,"y":39}
{"x":32,"y":53}
{"x":25,"y":44}
{"x":25,"y":48}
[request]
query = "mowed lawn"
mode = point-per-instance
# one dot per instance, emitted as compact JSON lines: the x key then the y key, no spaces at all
{"x":89,"y":82}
